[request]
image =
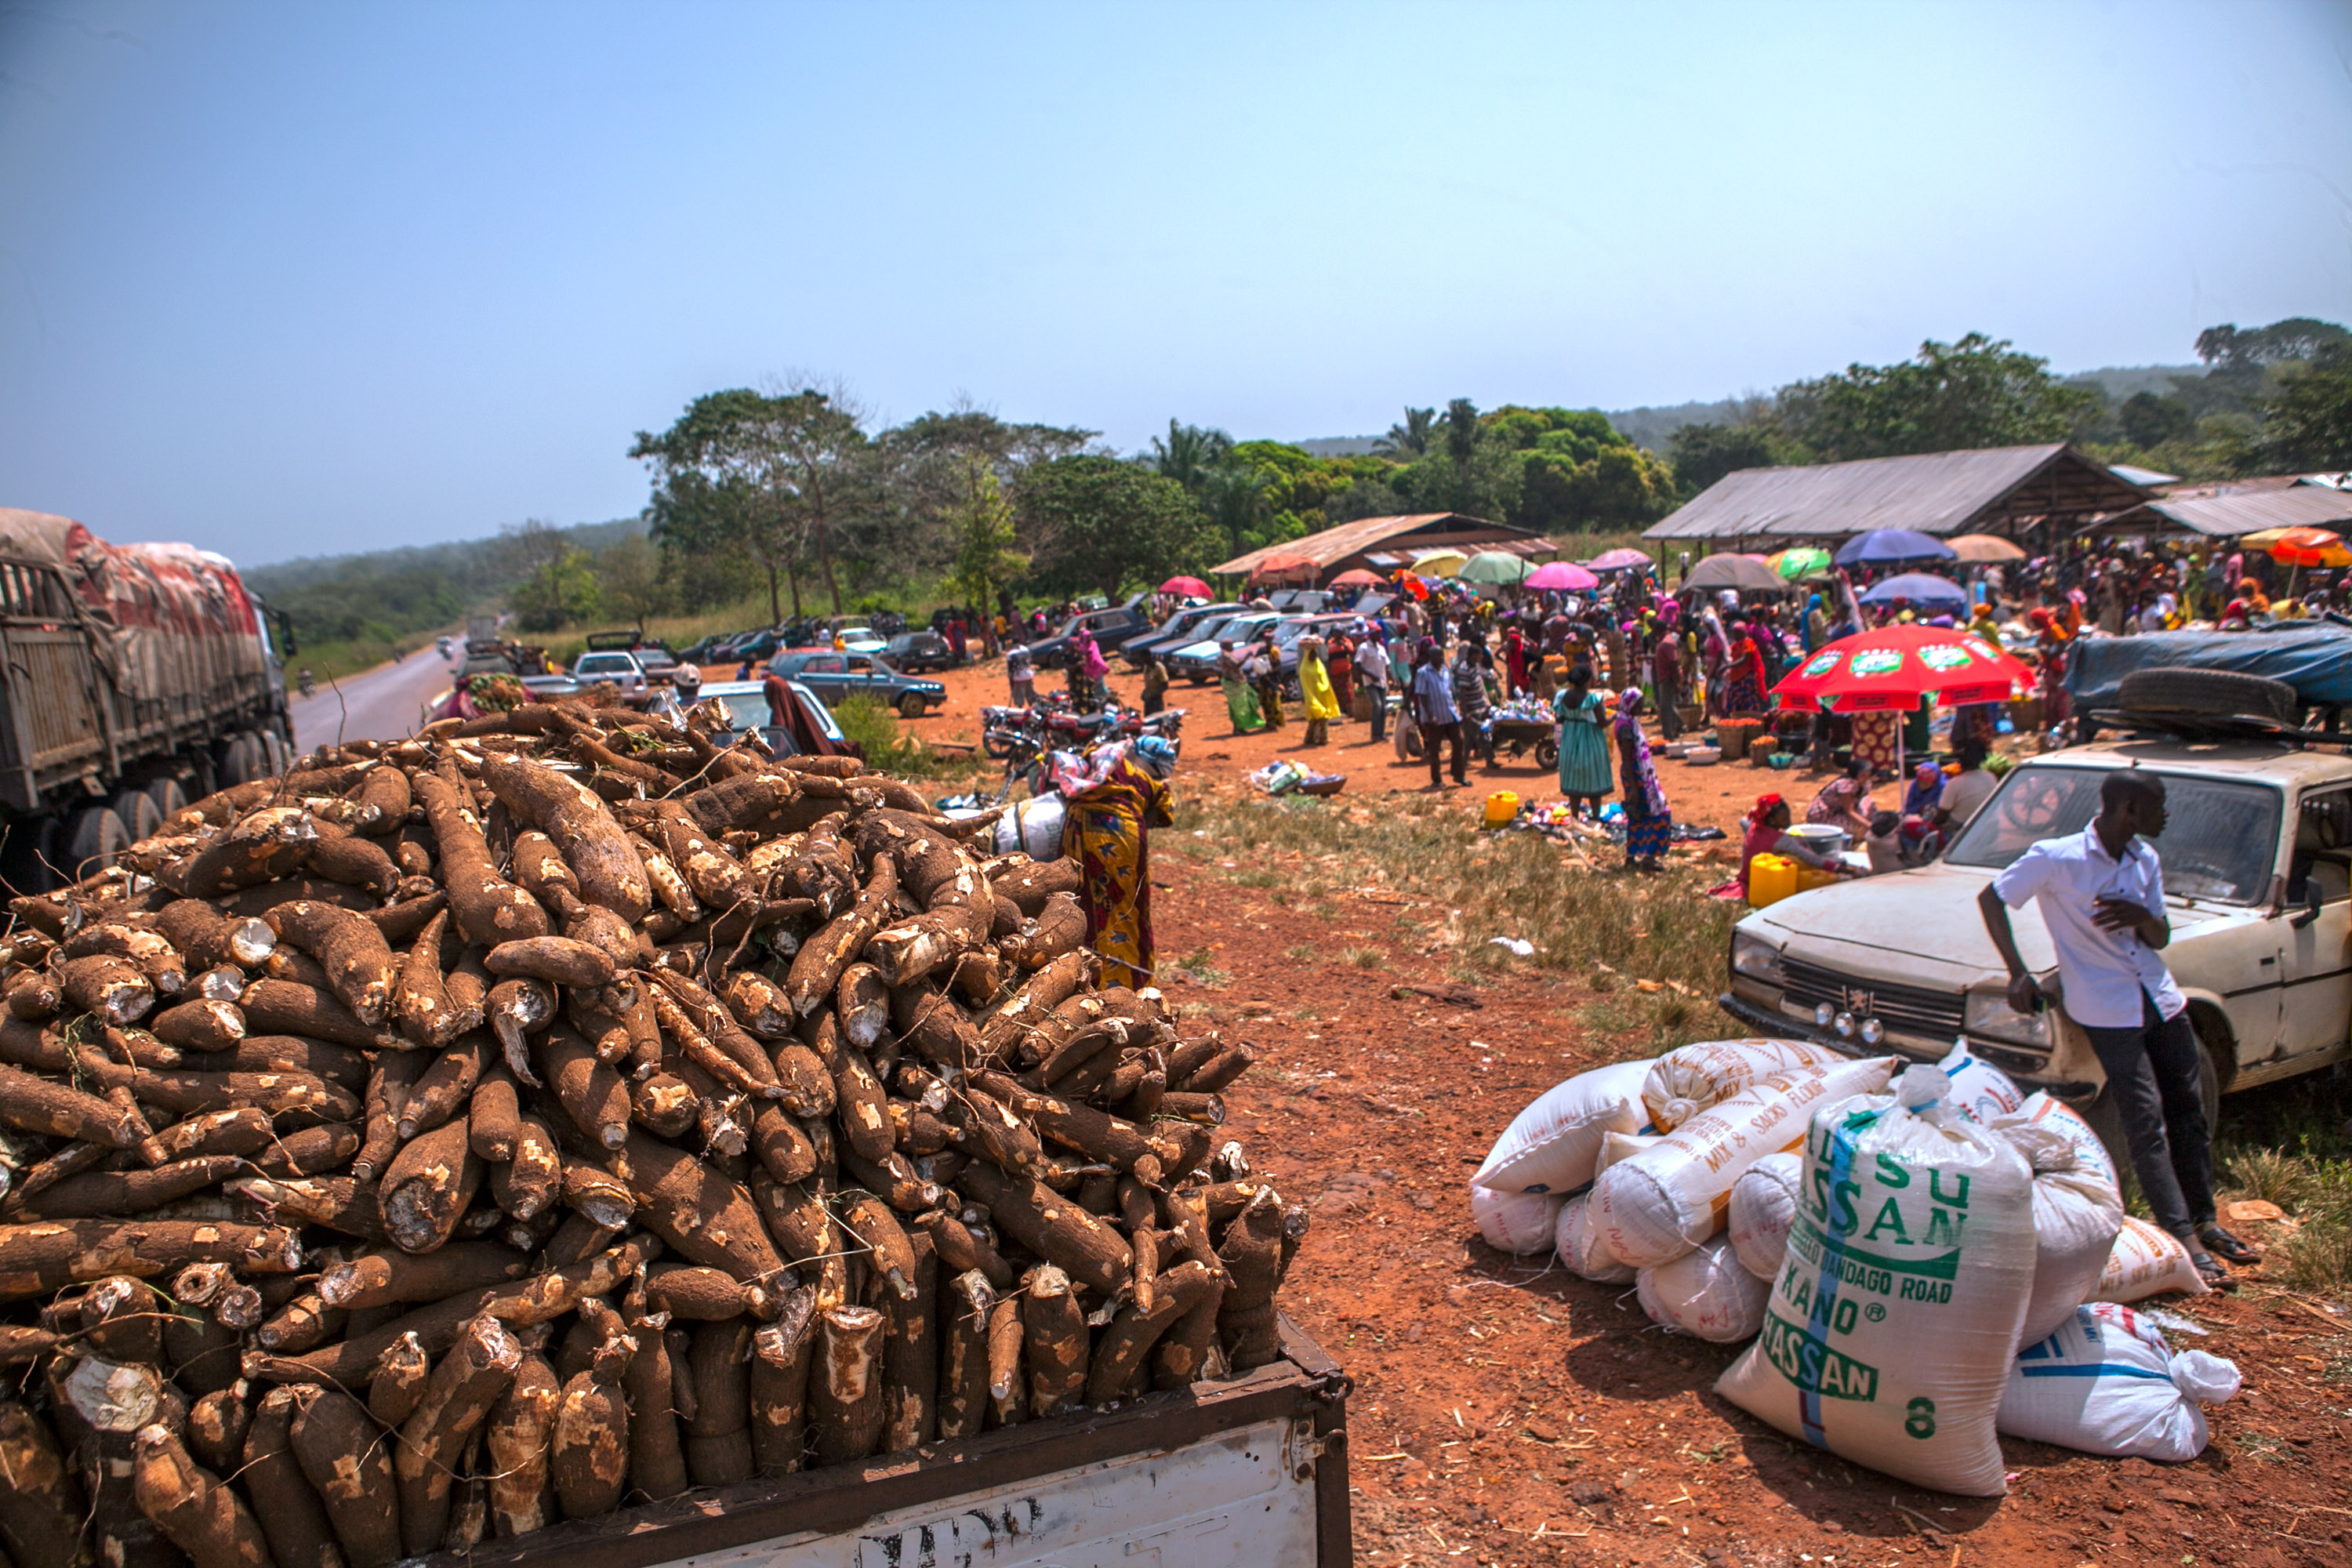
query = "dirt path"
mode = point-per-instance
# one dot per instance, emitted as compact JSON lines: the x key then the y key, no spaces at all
{"x":1717,"y":794}
{"x":1510,"y":1414}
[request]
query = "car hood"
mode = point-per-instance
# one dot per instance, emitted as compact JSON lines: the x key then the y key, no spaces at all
{"x":1922,"y":927}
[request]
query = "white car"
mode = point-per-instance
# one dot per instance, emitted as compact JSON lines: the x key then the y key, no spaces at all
{"x":621,"y":669}
{"x":2257,"y":857}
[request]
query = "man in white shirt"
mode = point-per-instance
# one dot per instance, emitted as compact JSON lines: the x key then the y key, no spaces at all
{"x":2101,"y":894}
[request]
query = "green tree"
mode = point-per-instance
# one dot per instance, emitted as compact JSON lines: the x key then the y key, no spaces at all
{"x":2150,"y":420}
{"x":1099,"y":523}
{"x":1191,"y":454}
{"x":1410,"y":439}
{"x":559,"y":592}
{"x":2307,"y":424}
{"x":629,"y":579}
{"x":778,"y":475}
{"x":1703,"y":453}
{"x":1978,"y":392}
{"x":983,"y":530}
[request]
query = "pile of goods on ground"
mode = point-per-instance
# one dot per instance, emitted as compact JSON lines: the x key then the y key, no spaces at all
{"x":1923,"y":1256}
{"x":558,"y":1110}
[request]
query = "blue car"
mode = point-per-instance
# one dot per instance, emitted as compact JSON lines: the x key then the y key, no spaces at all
{"x":837,"y":675}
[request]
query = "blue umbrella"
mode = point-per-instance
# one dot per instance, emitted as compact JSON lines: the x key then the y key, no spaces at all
{"x":1921,"y":590}
{"x":1891,"y":547}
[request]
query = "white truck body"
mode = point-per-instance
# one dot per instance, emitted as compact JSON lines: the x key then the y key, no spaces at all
{"x":1251,"y":1473}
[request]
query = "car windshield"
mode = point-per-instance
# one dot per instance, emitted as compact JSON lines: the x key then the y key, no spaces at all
{"x":2219,"y":840}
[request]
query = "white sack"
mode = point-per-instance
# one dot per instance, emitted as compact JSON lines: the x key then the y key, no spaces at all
{"x":1549,"y":1147}
{"x":1705,"y":1292}
{"x":1672,"y":1196}
{"x":1516,"y":1222}
{"x":1980,"y":1091}
{"x":2077,"y":1210}
{"x":1619,"y":1147}
{"x":2105,"y":1383}
{"x":1581,"y":1246}
{"x":1889,"y":1332}
{"x":1763,"y":1206}
{"x":1687,"y":1080}
{"x":1033,"y":826}
{"x":2146,"y":1260}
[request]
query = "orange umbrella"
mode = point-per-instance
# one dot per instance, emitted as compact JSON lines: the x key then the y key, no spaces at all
{"x":1359,"y":578}
{"x":1285,"y":565}
{"x":2308,"y":547}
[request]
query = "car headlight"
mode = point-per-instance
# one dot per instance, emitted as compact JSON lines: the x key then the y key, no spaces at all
{"x":1988,"y":1014}
{"x":1756,"y":959}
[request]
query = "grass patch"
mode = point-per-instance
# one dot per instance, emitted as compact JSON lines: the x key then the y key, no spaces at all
{"x":1472,"y":885}
{"x":874,"y":727}
{"x":2287,"y":1143}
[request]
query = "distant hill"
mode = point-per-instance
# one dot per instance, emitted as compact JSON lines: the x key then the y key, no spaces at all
{"x":1339,"y":446}
{"x":2120,"y":381}
{"x":478,"y":559}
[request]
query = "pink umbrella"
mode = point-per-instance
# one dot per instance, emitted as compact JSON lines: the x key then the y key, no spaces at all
{"x":1561,"y":574}
{"x":1191,"y":587}
{"x":1618,"y":560}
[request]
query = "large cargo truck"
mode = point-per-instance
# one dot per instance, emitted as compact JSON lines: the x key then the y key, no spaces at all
{"x":133,"y":679}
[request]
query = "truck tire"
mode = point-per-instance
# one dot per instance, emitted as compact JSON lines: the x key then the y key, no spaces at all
{"x":2218,"y":693}
{"x":241,"y":760}
{"x":139,"y":817}
{"x":168,"y":796}
{"x":276,"y":753}
{"x":911,"y":705}
{"x":95,"y":839}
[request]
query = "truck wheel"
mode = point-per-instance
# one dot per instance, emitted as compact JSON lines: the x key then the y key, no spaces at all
{"x":2213,"y":692}
{"x":137,"y":810}
{"x":95,"y":839}
{"x":241,"y":760}
{"x":168,"y":796}
{"x":910,"y":705}
{"x":276,"y":753}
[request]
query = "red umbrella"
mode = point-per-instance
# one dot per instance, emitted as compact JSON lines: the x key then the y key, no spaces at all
{"x":1890,"y":669}
{"x":1190,"y":587}
{"x":1359,"y":578}
{"x":1287,"y":565}
{"x":1412,"y":584}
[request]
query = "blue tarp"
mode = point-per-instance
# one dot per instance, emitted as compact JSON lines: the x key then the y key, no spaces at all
{"x":2315,"y":657}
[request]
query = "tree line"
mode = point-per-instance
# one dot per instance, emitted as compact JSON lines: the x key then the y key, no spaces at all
{"x":2273,"y":399}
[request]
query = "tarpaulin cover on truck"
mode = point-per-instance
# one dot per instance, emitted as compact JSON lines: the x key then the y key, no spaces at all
{"x":170,"y":621}
{"x":2313,"y":657}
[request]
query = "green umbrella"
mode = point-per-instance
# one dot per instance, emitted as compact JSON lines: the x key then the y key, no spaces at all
{"x":1800,"y":562}
{"x":1495,"y":566}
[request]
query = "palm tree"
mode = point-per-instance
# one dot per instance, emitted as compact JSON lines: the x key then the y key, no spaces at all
{"x":1412,"y":437}
{"x":1234,"y":495}
{"x":1190,"y":454}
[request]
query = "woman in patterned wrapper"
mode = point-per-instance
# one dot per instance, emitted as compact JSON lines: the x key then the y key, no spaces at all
{"x":1114,"y":800}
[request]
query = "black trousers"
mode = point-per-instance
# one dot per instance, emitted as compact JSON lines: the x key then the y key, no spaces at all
{"x":1430,"y":736}
{"x":2153,"y":1071}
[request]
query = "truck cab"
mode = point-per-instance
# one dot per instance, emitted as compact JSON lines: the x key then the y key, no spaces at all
{"x":2257,"y":858}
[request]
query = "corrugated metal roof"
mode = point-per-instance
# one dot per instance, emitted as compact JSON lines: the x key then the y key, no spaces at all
{"x":1931,"y":492}
{"x":1368,"y":533}
{"x":2235,"y":509}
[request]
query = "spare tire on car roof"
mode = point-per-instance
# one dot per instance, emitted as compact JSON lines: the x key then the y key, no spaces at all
{"x":2211,"y":694}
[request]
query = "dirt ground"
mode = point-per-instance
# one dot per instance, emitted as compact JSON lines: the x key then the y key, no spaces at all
{"x":1506,"y":1413}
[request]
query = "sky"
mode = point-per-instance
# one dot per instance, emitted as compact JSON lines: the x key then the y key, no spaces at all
{"x":299,"y":279}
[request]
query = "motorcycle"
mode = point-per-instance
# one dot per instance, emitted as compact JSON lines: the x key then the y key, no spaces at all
{"x":309,"y":687}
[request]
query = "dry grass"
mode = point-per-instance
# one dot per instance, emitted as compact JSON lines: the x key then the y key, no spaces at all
{"x":2288,"y":1144}
{"x":1652,"y":946}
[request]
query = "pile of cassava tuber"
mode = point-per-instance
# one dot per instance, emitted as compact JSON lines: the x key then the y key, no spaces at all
{"x":562,"y":1109}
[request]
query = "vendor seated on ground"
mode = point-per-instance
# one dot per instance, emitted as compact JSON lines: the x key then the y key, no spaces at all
{"x":1896,"y":841}
{"x":1845,"y":801}
{"x":1767,"y":833}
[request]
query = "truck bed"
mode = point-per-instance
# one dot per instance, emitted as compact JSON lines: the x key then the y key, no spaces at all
{"x":1252,"y":1471}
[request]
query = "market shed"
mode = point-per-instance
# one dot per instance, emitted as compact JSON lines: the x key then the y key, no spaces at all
{"x":1382,"y":544}
{"x":2226,"y":510}
{"x":2003,"y":490}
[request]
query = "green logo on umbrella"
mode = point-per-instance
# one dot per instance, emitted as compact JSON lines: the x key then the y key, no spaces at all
{"x":1823,"y":663}
{"x":1877,"y":661}
{"x":1940,"y":657}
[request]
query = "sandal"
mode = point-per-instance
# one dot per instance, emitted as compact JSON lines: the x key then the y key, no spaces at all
{"x":2221,"y":1243}
{"x":2211,"y":1270}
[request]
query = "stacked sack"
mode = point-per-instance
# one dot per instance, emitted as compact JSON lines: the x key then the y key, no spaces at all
{"x":2105,"y":1383}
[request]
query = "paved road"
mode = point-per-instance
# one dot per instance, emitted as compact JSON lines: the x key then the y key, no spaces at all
{"x":379,"y":704}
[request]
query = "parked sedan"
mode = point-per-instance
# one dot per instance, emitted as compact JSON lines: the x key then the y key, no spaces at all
{"x":1197,"y":662}
{"x":915,"y":652}
{"x":746,"y":705}
{"x":837,"y":676}
{"x":1179,"y":630}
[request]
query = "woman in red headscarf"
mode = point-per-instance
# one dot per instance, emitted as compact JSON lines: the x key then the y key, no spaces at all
{"x":1743,"y":676}
{"x":2050,"y":640}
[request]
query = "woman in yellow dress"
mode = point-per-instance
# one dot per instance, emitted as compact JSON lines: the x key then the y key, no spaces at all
{"x":1322,"y":703}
